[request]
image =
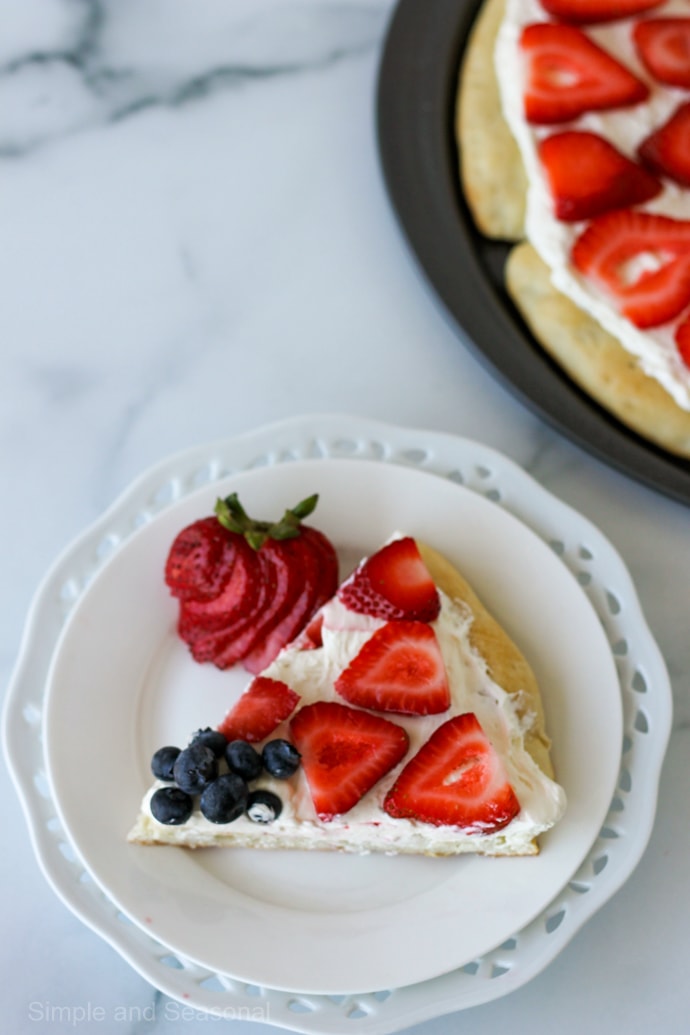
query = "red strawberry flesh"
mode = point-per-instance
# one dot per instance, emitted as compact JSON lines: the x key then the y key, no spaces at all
{"x":587,"y":176}
{"x":260,"y":710}
{"x":311,"y":637}
{"x":682,"y":338}
{"x":200,"y":560}
{"x":322,"y":548}
{"x":567,"y":74}
{"x":236,"y":601}
{"x":393,"y":584}
{"x":345,"y":752}
{"x":592,"y":12}
{"x":663,"y":46}
{"x":399,"y":669}
{"x":455,"y":779}
{"x":220,"y":640}
{"x":667,"y":150}
{"x":642,"y":259}
{"x":247,"y":587}
{"x":302,"y":606}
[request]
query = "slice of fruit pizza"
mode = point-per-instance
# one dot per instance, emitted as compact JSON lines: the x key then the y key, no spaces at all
{"x":401,"y":719}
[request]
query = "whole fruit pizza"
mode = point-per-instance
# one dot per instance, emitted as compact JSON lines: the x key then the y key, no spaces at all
{"x":387,"y":712}
{"x":573,"y":124}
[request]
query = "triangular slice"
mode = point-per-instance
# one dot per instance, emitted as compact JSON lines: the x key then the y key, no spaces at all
{"x":339,"y":747}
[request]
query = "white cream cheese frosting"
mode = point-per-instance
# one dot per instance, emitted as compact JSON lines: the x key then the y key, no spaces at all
{"x":312,"y":673}
{"x":625,"y":128}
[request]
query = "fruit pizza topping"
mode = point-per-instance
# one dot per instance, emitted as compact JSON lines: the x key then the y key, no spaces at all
{"x":344,"y":752}
{"x":637,"y":256}
{"x":243,"y":759}
{"x":171,"y":806}
{"x":216,"y":775}
{"x":225,"y":799}
{"x":663,"y":46}
{"x":399,"y":669}
{"x":568,"y":74}
{"x":261,"y":708}
{"x":212,"y":739}
{"x":456,"y":779}
{"x":393,"y":584}
{"x":588,"y":176}
{"x":195,"y":768}
{"x":280,"y":758}
{"x":163,"y":762}
{"x":595,"y":12}
{"x":311,"y":637}
{"x":274,"y":582}
{"x":263,"y":807}
{"x":247,"y":587}
{"x":642,"y":260}
{"x":682,"y":338}
{"x":667,"y":150}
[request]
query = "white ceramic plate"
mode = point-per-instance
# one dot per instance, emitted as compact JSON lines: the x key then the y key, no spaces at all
{"x":120,"y":685}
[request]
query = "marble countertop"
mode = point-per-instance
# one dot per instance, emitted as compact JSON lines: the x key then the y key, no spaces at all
{"x":196,"y":241}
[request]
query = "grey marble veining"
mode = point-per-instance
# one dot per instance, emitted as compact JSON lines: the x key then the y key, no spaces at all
{"x":100,"y":63}
{"x":195,"y":241}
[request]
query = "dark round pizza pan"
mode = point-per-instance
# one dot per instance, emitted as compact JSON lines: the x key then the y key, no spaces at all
{"x":416,"y":94}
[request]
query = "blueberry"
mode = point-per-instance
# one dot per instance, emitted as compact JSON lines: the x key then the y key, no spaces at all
{"x":263,"y":806}
{"x":213,"y":739}
{"x":224,"y":799}
{"x":280,"y":758}
{"x":163,"y":761}
{"x":195,"y":768}
{"x":171,"y":806}
{"x":243,"y":759}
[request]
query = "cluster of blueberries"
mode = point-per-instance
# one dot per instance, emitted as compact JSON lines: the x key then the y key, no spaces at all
{"x":195,"y":772}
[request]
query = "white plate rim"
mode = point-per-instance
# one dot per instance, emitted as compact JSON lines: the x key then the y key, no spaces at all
{"x":590,"y":556}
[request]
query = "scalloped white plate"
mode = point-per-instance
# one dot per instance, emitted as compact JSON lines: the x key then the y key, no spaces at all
{"x":600,"y":590}
{"x":315,"y":922}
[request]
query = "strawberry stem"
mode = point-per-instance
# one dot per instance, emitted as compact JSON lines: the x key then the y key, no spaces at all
{"x":233,"y":516}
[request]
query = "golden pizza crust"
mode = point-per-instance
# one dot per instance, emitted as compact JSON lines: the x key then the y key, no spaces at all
{"x":592,"y":357}
{"x":493,"y":178}
{"x":507,"y":666}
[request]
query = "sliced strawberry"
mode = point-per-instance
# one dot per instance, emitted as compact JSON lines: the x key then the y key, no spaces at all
{"x":221,"y":639}
{"x":261,"y":708}
{"x":663,"y":46}
{"x":455,"y":779}
{"x":591,"y":12}
{"x":294,"y":617}
{"x":393,"y":584}
{"x":568,"y":74}
{"x":683,"y":340}
{"x":642,"y":259}
{"x":274,"y":576}
{"x":588,"y":176}
{"x":226,"y":636}
{"x":667,"y":149}
{"x":399,"y":669}
{"x":311,"y":637}
{"x":345,"y":752}
{"x":236,"y":600}
{"x":275,"y":582}
{"x":327,"y":560}
{"x":200,"y":560}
